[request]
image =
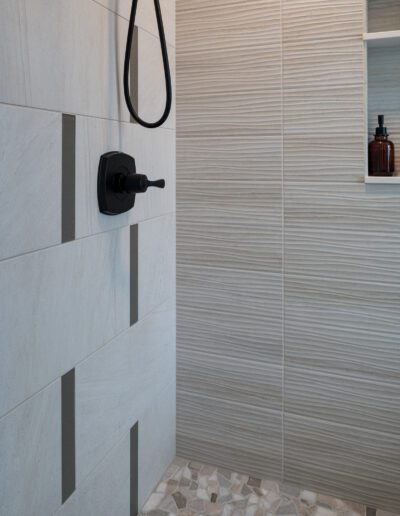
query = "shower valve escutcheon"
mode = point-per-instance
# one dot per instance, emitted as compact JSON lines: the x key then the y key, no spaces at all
{"x":118,"y":183}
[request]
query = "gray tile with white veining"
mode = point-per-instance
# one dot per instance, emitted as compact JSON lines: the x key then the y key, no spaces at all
{"x":30,"y":456}
{"x":107,"y":490}
{"x":60,"y":305}
{"x":117,"y":383}
{"x":30,"y":180}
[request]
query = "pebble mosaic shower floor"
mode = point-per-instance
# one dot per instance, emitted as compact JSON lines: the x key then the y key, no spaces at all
{"x":191,"y":489}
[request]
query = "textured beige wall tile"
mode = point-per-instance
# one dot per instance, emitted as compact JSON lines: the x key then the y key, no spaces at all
{"x":342,"y":231}
{"x":236,"y":225}
{"x":323,"y":79}
{"x":229,"y":68}
{"x":346,"y":327}
{"x":233,"y":313}
{"x":230,"y":433}
{"x":331,"y":458}
{"x":383,"y":15}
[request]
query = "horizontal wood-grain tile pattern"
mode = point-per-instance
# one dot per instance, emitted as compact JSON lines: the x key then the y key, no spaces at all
{"x":229,"y":68}
{"x":342,"y":399}
{"x":230,"y":433}
{"x":383,"y":15}
{"x":236,"y":225}
{"x":232,"y":379}
{"x":323,"y":85}
{"x":343,"y":327}
{"x":229,"y":232}
{"x":342,"y":231}
{"x":337,"y":458}
{"x":231,"y":313}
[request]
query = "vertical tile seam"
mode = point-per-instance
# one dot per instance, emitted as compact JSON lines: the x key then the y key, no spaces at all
{"x":283,"y":240}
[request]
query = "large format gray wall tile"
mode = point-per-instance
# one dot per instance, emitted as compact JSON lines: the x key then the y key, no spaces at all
{"x":96,"y":137}
{"x":30,"y":180}
{"x":60,"y":305}
{"x":30,"y":456}
{"x":107,"y":491}
{"x":76,"y":68}
{"x":67,"y":306}
{"x":157,"y":436}
{"x":116,"y":384}
{"x":156,"y":273}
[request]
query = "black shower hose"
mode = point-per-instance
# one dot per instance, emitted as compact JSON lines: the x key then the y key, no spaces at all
{"x":164,"y":52}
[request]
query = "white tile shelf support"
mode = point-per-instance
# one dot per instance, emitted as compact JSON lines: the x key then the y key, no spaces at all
{"x":382,"y":39}
{"x":393,"y":180}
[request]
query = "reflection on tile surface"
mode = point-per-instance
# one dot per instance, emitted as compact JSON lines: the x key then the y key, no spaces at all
{"x":189,"y":488}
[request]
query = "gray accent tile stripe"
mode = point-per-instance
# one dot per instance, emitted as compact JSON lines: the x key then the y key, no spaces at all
{"x":134,"y":72}
{"x":68,"y":433}
{"x":68,"y":178}
{"x":134,"y":274}
{"x":134,"y":445}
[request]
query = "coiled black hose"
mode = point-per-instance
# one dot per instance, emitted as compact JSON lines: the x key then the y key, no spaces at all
{"x":164,"y":51}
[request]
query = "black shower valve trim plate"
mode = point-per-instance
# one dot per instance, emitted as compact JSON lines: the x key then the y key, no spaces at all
{"x":118,"y":183}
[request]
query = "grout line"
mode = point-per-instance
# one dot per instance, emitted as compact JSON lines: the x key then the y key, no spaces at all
{"x":42,"y":389}
{"x":283,"y":245}
{"x":139,"y":26}
{"x":84,"y":359}
{"x":83,"y":115}
{"x":59,"y":244}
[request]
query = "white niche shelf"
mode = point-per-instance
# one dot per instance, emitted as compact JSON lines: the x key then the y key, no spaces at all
{"x":382,"y":39}
{"x":382,"y":78}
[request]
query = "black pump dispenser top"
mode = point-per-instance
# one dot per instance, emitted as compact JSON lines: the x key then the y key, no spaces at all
{"x":381,"y":130}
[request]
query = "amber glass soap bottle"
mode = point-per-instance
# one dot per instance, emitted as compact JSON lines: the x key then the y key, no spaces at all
{"x":381,"y":152}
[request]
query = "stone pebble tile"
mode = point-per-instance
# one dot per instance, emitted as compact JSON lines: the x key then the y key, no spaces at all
{"x":189,"y":488}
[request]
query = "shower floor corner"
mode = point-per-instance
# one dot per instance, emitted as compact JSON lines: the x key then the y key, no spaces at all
{"x":190,"y":488}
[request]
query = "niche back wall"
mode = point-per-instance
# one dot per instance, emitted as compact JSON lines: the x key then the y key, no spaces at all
{"x":288,"y":356}
{"x":87,"y":309}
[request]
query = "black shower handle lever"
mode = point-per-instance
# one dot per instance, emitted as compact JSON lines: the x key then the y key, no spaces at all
{"x":137,"y":183}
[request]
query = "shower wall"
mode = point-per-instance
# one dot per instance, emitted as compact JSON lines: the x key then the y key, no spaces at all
{"x":288,"y":298}
{"x":87,"y":311}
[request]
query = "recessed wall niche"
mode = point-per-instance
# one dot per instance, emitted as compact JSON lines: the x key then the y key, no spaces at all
{"x":382,"y":42}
